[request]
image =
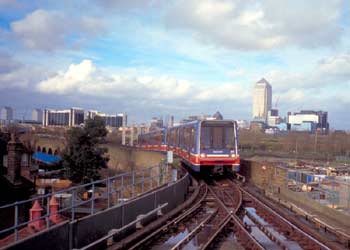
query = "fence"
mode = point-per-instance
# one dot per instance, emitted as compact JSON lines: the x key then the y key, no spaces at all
{"x":82,"y":200}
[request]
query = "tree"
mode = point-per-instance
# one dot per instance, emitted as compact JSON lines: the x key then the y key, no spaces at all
{"x":84,"y":156}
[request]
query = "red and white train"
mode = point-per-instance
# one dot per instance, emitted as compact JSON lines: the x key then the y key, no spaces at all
{"x":205,"y":146}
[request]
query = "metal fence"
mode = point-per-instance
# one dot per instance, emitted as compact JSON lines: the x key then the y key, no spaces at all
{"x":86,"y":199}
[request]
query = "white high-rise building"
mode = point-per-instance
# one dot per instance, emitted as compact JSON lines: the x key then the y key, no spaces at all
{"x":37,"y":115}
{"x":6,"y":114}
{"x":262,"y":98}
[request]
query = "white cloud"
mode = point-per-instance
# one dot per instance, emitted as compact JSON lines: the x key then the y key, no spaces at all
{"x":85,"y":78}
{"x":50,"y":30}
{"x":253,"y":24}
{"x":336,"y":66}
{"x":331,"y":71}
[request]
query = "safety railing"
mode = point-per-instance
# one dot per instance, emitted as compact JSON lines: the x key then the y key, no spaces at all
{"x":79,"y":201}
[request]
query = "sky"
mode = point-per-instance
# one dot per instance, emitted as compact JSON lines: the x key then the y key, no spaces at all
{"x":180,"y":57}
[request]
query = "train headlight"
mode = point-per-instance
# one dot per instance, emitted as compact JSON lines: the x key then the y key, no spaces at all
{"x":203,"y":155}
{"x":233,"y":155}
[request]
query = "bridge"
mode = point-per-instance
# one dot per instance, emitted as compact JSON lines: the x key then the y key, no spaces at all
{"x":149,"y":203}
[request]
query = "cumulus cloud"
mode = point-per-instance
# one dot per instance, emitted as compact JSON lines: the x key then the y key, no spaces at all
{"x":253,"y":24}
{"x":85,"y":78}
{"x":50,"y":30}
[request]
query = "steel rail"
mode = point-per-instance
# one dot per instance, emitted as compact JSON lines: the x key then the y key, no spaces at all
{"x":194,"y":231}
{"x":175,"y":221}
{"x":223,"y":224}
{"x":238,"y":225}
{"x":285,"y":221}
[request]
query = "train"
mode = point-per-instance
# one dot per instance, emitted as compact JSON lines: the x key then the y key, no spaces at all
{"x":206,"y":146}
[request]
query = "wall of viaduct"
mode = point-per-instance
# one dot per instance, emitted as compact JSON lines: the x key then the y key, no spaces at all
{"x":120,"y":158}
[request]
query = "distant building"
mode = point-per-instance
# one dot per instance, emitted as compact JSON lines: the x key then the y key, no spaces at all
{"x":198,"y":118}
{"x":168,"y":121}
{"x":308,"y":120}
{"x":257,"y":126}
{"x":303,"y":127}
{"x":218,"y":116}
{"x":6,"y":114}
{"x":282,"y":126}
{"x":115,"y":121}
{"x":37,"y":115}
{"x":69,"y":117}
{"x":171,"y":123}
{"x":272,"y":117}
{"x":242,"y":124}
{"x":157,"y":123}
{"x":262,"y":98}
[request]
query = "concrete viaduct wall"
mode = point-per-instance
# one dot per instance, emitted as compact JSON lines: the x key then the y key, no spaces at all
{"x":81,"y":232}
{"x":120,"y":158}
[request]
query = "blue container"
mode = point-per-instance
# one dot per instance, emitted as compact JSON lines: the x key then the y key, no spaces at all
{"x":309,"y":178}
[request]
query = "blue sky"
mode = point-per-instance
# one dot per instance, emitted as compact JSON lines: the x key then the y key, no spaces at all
{"x":153,"y":57}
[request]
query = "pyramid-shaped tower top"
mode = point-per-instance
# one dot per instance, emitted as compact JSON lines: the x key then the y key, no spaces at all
{"x":263,"y":80}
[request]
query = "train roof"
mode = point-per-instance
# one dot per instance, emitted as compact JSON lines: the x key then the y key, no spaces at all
{"x":190,"y":124}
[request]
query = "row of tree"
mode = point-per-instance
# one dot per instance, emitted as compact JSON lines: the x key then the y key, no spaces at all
{"x":303,"y":144}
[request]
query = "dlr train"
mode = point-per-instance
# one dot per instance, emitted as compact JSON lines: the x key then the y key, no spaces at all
{"x":209,"y":146}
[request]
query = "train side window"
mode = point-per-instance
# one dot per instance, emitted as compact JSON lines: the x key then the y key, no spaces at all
{"x":177,"y":137}
{"x":180,"y":137}
{"x":168,"y":137}
{"x":173,"y":134}
{"x":188,"y":138}
{"x":183,"y":136}
{"x":192,"y":139}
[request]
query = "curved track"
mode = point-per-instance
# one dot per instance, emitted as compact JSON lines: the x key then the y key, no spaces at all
{"x":220,"y":206}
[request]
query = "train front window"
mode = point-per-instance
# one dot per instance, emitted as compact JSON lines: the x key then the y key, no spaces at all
{"x":217,"y":137}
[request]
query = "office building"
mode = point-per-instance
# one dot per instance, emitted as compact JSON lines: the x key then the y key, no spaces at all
{"x":6,"y":114}
{"x":272,"y":118}
{"x":157,"y":123}
{"x":242,"y":124}
{"x":116,"y":121}
{"x":69,"y":117}
{"x":308,"y":120}
{"x":218,"y":116}
{"x":37,"y":115}
{"x":262,"y":98}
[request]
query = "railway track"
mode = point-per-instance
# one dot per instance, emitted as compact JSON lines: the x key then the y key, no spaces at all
{"x":223,"y":206}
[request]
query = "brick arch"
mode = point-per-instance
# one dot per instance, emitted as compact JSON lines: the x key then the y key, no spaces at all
{"x":44,"y":150}
{"x":38,"y":149}
{"x":49,"y":151}
{"x":56,"y":152}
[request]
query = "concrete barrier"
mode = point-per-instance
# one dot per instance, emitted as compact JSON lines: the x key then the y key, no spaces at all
{"x":83,"y":231}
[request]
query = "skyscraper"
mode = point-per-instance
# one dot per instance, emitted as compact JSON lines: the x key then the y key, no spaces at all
{"x":262,"y":98}
{"x":6,"y":114}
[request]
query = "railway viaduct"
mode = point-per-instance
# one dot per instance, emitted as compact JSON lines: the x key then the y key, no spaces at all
{"x":270,"y":178}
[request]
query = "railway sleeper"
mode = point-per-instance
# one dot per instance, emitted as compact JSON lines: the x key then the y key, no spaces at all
{"x":266,"y":230}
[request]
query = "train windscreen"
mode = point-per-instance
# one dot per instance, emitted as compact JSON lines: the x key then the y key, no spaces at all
{"x":217,"y":136}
